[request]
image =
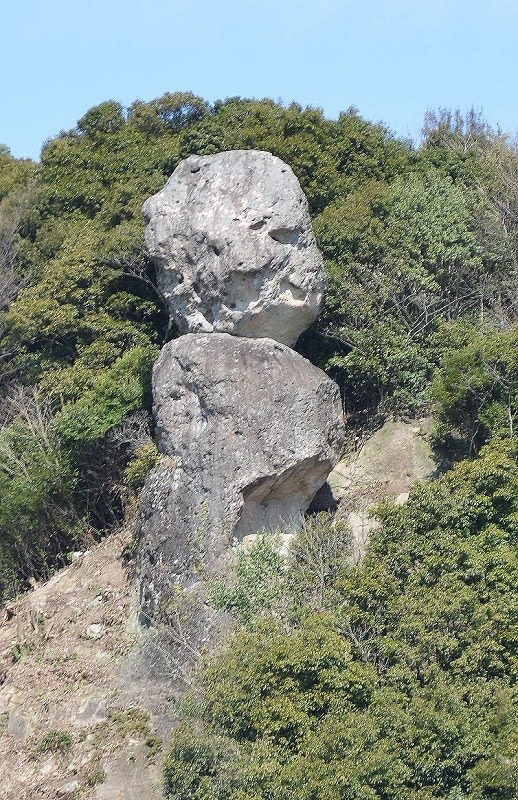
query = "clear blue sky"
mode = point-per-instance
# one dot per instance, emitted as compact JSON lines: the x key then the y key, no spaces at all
{"x":392,"y":59}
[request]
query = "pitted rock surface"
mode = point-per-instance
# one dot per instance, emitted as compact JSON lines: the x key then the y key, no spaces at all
{"x":249,"y":431}
{"x":231,"y":237}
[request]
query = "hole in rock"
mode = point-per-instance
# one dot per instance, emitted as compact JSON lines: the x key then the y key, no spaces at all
{"x":285,"y":235}
{"x":323,"y":501}
{"x":298,"y":293}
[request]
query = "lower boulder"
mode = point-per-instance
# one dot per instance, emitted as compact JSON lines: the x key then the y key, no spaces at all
{"x":248,"y":431}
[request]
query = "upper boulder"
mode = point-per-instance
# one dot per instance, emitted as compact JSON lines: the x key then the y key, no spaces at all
{"x":231,"y":237}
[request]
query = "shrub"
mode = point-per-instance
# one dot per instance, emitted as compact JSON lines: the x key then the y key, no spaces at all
{"x":55,"y":741}
{"x":258,"y":585}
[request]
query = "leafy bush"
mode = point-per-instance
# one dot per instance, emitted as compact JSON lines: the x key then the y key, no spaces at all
{"x":258,"y":584}
{"x":116,"y":392}
{"x":405,"y":687}
{"x":38,"y":521}
{"x":476,"y":386}
{"x":384,"y":373}
{"x":146,"y":457}
{"x":199,"y":765}
{"x":54,"y":741}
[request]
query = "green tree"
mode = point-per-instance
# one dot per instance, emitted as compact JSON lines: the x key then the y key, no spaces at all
{"x":16,"y":197}
{"x":476,"y":385}
{"x":401,"y":256}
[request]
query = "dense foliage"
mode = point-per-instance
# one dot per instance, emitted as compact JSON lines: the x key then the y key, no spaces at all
{"x":397,"y":681}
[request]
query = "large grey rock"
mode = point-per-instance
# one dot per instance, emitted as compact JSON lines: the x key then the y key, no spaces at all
{"x":249,"y":430}
{"x":231,"y":237}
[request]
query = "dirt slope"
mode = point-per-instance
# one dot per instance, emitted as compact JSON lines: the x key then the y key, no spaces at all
{"x":75,"y":722}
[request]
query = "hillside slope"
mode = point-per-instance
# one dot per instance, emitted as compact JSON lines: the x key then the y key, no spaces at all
{"x":73,"y":722}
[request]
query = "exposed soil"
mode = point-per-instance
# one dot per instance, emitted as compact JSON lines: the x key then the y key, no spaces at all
{"x":75,"y":720}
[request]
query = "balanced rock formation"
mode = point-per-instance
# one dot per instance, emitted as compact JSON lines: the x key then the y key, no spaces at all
{"x":231,"y":237}
{"x":250,"y":431}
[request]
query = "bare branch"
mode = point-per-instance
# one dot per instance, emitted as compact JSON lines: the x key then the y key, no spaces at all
{"x":13,"y":210}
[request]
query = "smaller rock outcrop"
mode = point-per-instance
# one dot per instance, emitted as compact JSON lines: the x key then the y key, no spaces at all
{"x":249,"y":430}
{"x":388,"y":464}
{"x":231,"y":237}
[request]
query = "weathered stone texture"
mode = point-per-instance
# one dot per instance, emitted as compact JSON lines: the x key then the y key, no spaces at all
{"x":249,"y":431}
{"x":231,"y":237}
